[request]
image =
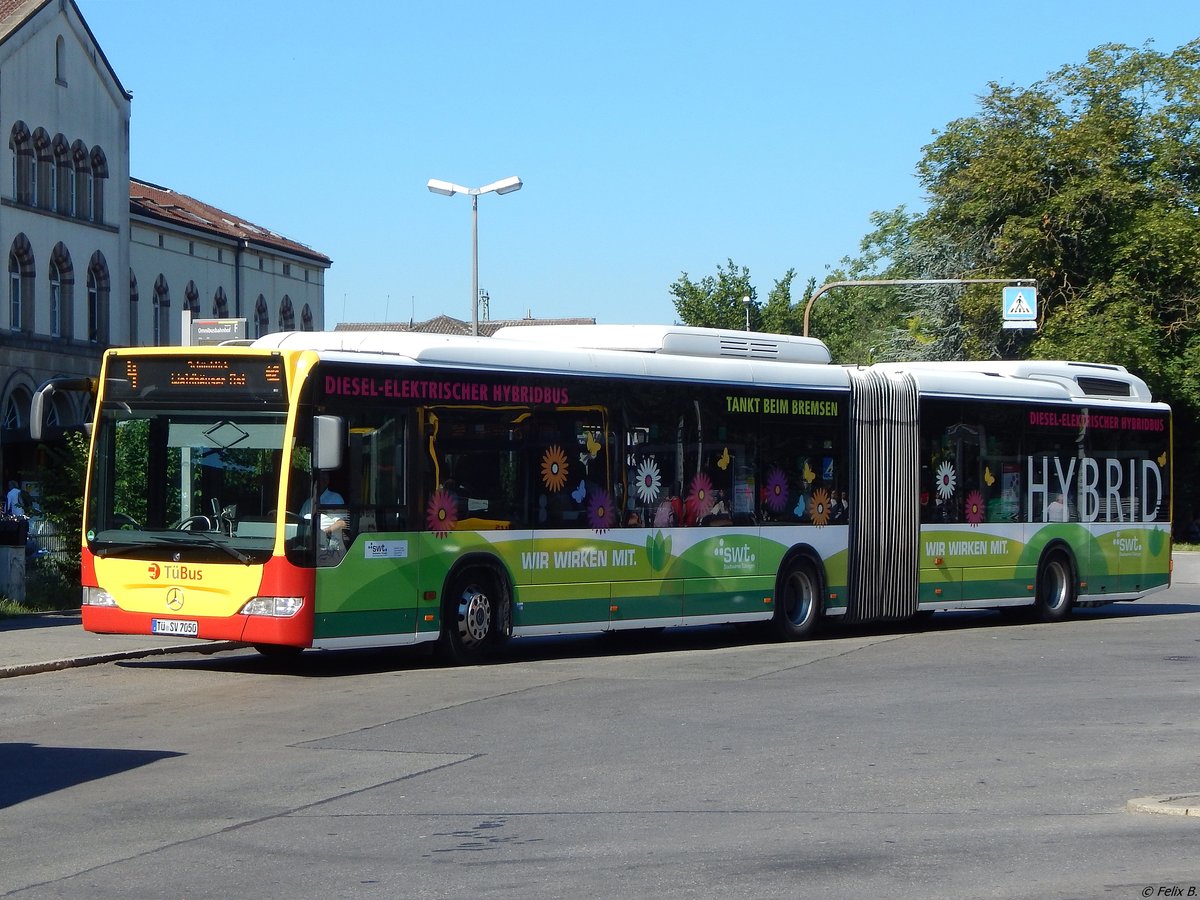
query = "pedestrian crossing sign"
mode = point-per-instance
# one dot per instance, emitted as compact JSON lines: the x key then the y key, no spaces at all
{"x":1020,"y":307}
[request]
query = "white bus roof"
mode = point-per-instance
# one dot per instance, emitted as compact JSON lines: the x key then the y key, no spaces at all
{"x":707,"y":354}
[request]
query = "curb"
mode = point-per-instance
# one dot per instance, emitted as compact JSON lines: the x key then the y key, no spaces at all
{"x":1167,"y":805}
{"x":116,"y":656}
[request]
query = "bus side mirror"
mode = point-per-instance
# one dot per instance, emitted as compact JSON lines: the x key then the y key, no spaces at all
{"x":41,"y":401}
{"x":327,"y":442}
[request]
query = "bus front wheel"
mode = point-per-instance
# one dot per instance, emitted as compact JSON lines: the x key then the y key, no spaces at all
{"x":1055,"y":588}
{"x":470,"y":618}
{"x":798,"y":602}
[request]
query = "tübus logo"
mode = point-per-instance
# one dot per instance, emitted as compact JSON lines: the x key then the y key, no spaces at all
{"x":175,"y":573}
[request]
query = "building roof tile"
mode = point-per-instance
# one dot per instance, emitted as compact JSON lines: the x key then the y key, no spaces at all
{"x":156,"y":202}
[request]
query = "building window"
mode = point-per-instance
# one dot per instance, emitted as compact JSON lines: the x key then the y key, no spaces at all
{"x":21,"y":144}
{"x":160,"y":242}
{"x":262,"y":318}
{"x":287,"y":316}
{"x":55,"y":300}
{"x":287,"y":270}
{"x":97,"y":178}
{"x":89,"y":194}
{"x":191,"y":299}
{"x":162,"y":312}
{"x":93,"y":307}
{"x":64,"y":185}
{"x":306,"y":318}
{"x":98,"y":286}
{"x":60,"y":61}
{"x":81,"y":202}
{"x":20,"y":285}
{"x":191,"y":248}
{"x":220,"y":304}
{"x":14,"y":293}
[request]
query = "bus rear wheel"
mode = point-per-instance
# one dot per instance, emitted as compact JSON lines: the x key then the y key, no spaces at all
{"x":1055,"y":588}
{"x":470,"y":618}
{"x":798,"y":602}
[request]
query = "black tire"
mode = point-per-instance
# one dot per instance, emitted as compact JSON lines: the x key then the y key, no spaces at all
{"x":798,"y":607}
{"x":471,"y":617}
{"x":1055,"y":588}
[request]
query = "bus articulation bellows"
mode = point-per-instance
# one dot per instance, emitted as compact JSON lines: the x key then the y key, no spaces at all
{"x":355,"y":489}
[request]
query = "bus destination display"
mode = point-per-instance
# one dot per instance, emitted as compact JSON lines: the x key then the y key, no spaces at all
{"x":231,"y":377}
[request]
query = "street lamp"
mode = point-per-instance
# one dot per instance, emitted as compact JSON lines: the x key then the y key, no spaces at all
{"x":746,"y":303}
{"x":449,"y":189}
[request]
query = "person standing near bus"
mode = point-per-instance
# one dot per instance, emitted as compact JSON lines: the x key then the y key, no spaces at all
{"x":14,"y":502}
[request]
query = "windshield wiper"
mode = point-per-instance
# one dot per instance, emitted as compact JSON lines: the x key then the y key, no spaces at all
{"x":186,"y":539}
{"x":232,"y":551}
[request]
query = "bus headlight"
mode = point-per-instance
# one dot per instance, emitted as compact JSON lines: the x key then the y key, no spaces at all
{"x":94,"y":596}
{"x":276,"y":607}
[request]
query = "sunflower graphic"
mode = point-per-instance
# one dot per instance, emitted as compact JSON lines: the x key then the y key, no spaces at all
{"x":648,"y":481}
{"x":818,"y":507}
{"x":441,"y":515}
{"x":946,"y":481}
{"x":974,"y":508}
{"x":554,"y":468}
{"x":775,"y":494}
{"x":700,"y":497}
{"x":601,"y":515}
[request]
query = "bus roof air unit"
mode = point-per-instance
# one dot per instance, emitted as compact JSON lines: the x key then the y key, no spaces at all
{"x":675,"y":340}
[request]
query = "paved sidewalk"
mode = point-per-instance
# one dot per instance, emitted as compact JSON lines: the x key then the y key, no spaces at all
{"x":43,"y":643}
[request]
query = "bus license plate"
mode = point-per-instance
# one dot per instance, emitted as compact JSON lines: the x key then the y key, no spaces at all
{"x":177,"y":627}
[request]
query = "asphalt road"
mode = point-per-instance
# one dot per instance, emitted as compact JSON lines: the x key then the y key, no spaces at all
{"x":969,"y":757}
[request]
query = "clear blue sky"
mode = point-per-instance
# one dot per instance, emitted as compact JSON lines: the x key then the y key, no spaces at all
{"x":653,"y":138}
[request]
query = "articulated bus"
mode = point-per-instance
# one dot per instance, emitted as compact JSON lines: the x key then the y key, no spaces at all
{"x":356,"y":489}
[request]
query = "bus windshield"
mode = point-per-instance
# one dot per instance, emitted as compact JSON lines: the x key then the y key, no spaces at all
{"x":203,"y":482}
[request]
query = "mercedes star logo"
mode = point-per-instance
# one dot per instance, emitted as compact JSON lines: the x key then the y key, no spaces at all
{"x":175,"y":599}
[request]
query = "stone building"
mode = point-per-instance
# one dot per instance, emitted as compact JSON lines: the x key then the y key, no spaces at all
{"x":96,"y":259}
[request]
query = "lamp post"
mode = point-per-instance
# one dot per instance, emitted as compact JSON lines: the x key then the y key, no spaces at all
{"x":746,"y":303}
{"x":449,"y":189}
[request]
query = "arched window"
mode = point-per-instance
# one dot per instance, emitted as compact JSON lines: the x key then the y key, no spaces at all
{"x":162,"y":312}
{"x":55,"y":301}
{"x":98,"y":285}
{"x":63,"y":183}
{"x":191,"y":299}
{"x":62,"y":285}
{"x":262,"y":318}
{"x":20,"y":285}
{"x":133,"y":309}
{"x":43,"y":170}
{"x":98,"y":173}
{"x":60,"y":61}
{"x":14,"y":292}
{"x":16,"y":409}
{"x":20,"y":142}
{"x":81,"y":182}
{"x":220,"y":304}
{"x":287,"y":316}
{"x":306,"y":318}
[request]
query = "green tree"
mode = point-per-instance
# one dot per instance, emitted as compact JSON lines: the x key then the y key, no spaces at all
{"x":1087,"y":181}
{"x":716,"y":301}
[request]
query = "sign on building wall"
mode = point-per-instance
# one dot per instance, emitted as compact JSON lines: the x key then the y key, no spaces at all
{"x":216,"y":331}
